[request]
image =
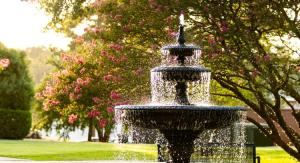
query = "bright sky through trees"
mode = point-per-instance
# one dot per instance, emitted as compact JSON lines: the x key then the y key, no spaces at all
{"x":22,"y":25}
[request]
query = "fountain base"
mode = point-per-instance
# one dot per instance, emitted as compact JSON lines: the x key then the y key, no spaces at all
{"x":180,"y":144}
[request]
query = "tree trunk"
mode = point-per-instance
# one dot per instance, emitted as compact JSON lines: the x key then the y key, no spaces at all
{"x":103,"y":134}
{"x":90,"y":131}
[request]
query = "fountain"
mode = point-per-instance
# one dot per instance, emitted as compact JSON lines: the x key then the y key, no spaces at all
{"x":172,"y":110}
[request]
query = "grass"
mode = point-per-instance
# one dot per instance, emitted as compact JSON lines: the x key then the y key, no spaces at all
{"x":274,"y":155}
{"x":51,"y":150}
{"x":40,"y":150}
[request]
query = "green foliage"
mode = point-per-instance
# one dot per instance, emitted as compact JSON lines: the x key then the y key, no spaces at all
{"x":14,"y":124}
{"x":244,"y":43}
{"x":16,"y":89}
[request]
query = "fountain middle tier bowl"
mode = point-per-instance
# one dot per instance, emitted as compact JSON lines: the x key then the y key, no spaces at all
{"x":181,"y":73}
{"x":180,"y":117}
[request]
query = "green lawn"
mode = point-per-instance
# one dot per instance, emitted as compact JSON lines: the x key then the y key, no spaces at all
{"x":52,"y":150}
{"x":274,"y":155}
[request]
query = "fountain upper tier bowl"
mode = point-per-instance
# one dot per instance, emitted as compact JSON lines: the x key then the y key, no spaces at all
{"x":181,"y":49}
{"x":180,"y":117}
{"x":181,"y":73}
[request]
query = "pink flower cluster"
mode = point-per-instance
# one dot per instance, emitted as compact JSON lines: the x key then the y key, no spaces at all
{"x":49,"y":91}
{"x":102,"y":123}
{"x":115,"y":95}
{"x":74,"y":96}
{"x":211,"y":40}
{"x":93,"y":113}
{"x":4,"y":63}
{"x":79,"y":40}
{"x":110,"y":109}
{"x":72,"y":118}
{"x":138,"y":72}
{"x":171,"y":33}
{"x":116,"y":47}
{"x":81,"y":82}
{"x":54,"y":102}
{"x":118,"y":17}
{"x":96,"y":100}
{"x":224,"y":27}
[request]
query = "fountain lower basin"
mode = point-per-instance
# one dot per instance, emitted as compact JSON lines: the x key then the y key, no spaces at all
{"x":180,"y":124}
{"x":180,"y":117}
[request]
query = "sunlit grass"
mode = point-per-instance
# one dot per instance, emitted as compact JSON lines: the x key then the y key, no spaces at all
{"x":51,"y":150}
{"x":274,"y":155}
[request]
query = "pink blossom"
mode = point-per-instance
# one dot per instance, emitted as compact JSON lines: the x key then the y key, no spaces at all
{"x":72,"y":118}
{"x":110,"y":109}
{"x":79,"y":39}
{"x":123,"y":58}
{"x":112,"y":58}
{"x":4,"y":62}
{"x":97,"y":3}
{"x":224,"y":27}
{"x":49,"y":91}
{"x":211,"y":40}
{"x":254,"y":73}
{"x":115,"y":95}
{"x":96,"y":30}
{"x":104,"y":53}
{"x":118,"y":17}
{"x":121,"y":103}
{"x":93,"y":113}
{"x":298,"y":68}
{"x":172,"y":33}
{"x":126,"y":28}
{"x":152,"y":3}
{"x":267,"y":57}
{"x":108,"y":77}
{"x":53,"y":102}
{"x":102,"y":123}
{"x":96,"y":100}
{"x":87,"y":81}
{"x":116,"y":47}
{"x":158,"y":8}
{"x":80,"y":60}
{"x":169,"y":19}
{"x":79,"y":81}
{"x":82,"y":70}
{"x":39,"y":96}
{"x":138,"y":72}
{"x":77,"y":89}
{"x":46,"y":105}
{"x":73,"y":96}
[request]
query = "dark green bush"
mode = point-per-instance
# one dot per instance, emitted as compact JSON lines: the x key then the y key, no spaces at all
{"x":16,"y":87}
{"x":14,"y":124}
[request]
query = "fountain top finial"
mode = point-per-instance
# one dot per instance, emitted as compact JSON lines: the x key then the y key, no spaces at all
{"x":181,"y":39}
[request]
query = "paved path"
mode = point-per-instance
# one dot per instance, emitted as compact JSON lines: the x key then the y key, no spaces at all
{"x":15,"y":160}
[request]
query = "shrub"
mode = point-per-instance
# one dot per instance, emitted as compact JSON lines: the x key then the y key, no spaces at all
{"x":16,"y":87}
{"x":14,"y":124}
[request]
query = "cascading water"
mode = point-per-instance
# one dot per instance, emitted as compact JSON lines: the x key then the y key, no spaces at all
{"x":180,"y":107}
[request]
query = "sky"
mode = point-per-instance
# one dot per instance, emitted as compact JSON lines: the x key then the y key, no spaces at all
{"x":22,"y":26}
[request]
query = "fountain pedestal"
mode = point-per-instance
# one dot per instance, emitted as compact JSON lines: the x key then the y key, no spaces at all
{"x":180,"y":144}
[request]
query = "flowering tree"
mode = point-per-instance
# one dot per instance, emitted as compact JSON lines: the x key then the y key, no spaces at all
{"x":89,"y":81}
{"x":245,"y":43}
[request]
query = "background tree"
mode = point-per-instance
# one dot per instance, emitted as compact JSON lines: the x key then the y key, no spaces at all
{"x":16,"y":94}
{"x":89,"y":81}
{"x":246,"y":44}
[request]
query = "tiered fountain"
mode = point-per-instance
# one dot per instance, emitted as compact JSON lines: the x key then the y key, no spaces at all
{"x":174,"y":110}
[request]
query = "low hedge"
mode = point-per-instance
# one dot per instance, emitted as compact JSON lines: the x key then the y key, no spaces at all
{"x":14,"y":124}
